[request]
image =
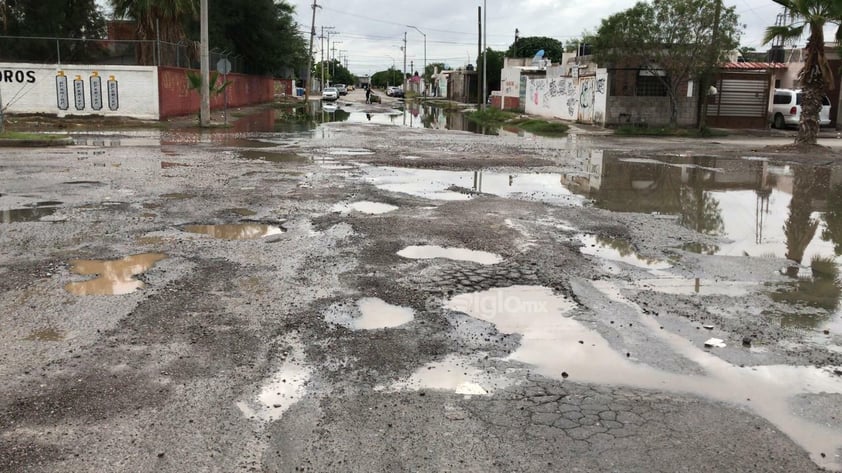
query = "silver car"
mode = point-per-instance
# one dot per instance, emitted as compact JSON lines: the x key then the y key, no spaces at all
{"x":330,"y":93}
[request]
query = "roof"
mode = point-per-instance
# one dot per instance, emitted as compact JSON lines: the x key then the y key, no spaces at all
{"x":754,"y":66}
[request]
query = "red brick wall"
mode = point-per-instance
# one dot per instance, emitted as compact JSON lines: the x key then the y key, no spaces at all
{"x":511,"y":103}
{"x":177,"y":99}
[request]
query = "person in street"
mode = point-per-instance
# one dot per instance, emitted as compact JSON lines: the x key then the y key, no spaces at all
{"x":368,"y":94}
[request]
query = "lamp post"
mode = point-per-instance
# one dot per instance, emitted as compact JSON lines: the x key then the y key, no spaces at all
{"x":425,"y":54}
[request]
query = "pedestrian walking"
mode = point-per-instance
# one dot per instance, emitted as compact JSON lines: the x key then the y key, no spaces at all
{"x":368,"y":94}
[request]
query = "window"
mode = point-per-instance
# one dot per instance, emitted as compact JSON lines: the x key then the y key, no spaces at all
{"x":781,"y":99}
{"x":650,"y":86}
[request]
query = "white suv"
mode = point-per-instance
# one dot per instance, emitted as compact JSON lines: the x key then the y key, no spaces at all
{"x":786,"y":109}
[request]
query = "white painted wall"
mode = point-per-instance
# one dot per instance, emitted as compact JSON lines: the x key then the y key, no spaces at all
{"x":510,"y":81}
{"x":582,"y":99}
{"x":34,"y":88}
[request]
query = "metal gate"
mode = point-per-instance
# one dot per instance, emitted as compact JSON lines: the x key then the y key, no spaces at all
{"x":741,"y":101}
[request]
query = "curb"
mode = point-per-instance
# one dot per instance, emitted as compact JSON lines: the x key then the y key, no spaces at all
{"x":13,"y":143}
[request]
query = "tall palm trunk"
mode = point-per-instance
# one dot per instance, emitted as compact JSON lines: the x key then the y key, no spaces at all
{"x":814,"y":77}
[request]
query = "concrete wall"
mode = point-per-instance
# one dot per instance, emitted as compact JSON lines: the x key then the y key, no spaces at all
{"x":504,"y":103}
{"x":510,"y":81}
{"x":128,"y":91}
{"x":652,"y":111}
{"x":583,"y":99}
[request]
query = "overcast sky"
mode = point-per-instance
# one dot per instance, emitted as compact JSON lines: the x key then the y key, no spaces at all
{"x":371,"y":31}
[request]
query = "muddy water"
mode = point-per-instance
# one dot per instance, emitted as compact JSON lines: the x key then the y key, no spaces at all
{"x":464,"y":185}
{"x":46,"y":335}
{"x":758,"y":208}
{"x":25,"y":215}
{"x":376,"y":313}
{"x":115,"y":277}
{"x":561,"y":347}
{"x":456,"y":254}
{"x":235,"y":231}
{"x":619,"y":250}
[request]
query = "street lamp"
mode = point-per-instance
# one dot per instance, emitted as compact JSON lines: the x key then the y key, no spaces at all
{"x":425,"y":54}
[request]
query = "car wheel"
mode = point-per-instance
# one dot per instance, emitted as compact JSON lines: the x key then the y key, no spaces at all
{"x":779,"y":121}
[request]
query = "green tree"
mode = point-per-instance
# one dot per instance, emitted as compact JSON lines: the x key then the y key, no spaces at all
{"x":495,"y":68}
{"x":674,"y":54}
{"x":386,"y":78}
{"x":79,"y":19}
{"x":816,"y":76}
{"x":261,"y":32}
{"x":164,"y":19}
{"x":529,"y":46}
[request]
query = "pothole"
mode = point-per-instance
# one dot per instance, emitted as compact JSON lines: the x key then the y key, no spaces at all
{"x":115,"y":277}
{"x":366,"y":207}
{"x":235,"y":231}
{"x":457,"y":254}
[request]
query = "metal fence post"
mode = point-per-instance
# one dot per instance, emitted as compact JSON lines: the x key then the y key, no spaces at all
{"x":58,"y":51}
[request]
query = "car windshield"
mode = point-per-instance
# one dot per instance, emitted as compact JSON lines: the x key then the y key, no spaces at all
{"x":330,"y":89}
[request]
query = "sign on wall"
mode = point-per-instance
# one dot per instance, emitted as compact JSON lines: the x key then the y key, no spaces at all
{"x":80,"y":89}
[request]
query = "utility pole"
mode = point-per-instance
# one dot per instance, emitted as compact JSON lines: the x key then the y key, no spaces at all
{"x":479,"y":47}
{"x":333,"y":58}
{"x":484,"y":54}
{"x":322,"y":51}
{"x":309,"y":84}
{"x":204,"y":65}
{"x":707,"y":75}
{"x":403,"y":79}
{"x":424,"y":71}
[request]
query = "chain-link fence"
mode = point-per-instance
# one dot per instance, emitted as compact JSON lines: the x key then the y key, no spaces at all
{"x":50,"y":50}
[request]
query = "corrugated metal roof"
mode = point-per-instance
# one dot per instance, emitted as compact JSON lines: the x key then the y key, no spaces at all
{"x":754,"y":66}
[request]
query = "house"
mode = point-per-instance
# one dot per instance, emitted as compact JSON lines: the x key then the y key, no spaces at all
{"x":463,"y":85}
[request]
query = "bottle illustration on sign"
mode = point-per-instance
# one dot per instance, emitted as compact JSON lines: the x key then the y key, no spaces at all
{"x":96,"y":91}
{"x":62,"y":99}
{"x":113,"y":94}
{"x":79,"y":92}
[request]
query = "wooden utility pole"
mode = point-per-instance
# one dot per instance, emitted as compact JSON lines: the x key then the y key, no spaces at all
{"x":707,"y":75}
{"x":479,"y":48}
{"x":309,"y":84}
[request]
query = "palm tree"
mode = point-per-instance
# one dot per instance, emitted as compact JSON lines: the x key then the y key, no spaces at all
{"x":156,"y":18}
{"x":816,"y":76}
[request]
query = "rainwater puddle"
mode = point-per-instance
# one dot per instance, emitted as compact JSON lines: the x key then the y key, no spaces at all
{"x":620,"y":250}
{"x":561,"y":347}
{"x":235,"y":231}
{"x":25,"y":215}
{"x":273,"y":156}
{"x":454,"y":373}
{"x":456,"y":254}
{"x":464,"y":185}
{"x":115,"y":277}
{"x":286,"y":387}
{"x":350,"y":152}
{"x":748,"y":203}
{"x":178,"y":196}
{"x":376,"y":313}
{"x":366,"y":207}
{"x":702,"y":287}
{"x":46,"y":335}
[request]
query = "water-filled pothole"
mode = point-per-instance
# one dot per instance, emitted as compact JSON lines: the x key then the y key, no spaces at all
{"x":618,"y":249}
{"x":25,"y":215}
{"x":46,"y":335}
{"x":366,"y":207}
{"x":457,"y":254}
{"x":273,"y":156}
{"x":235,"y":231}
{"x":115,"y":277}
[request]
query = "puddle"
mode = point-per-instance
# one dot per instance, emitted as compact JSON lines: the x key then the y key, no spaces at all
{"x":550,"y":344}
{"x":286,"y":387}
{"x":454,"y":373}
{"x":456,"y":254}
{"x":115,"y":277}
{"x":25,"y":215}
{"x":410,"y":115}
{"x":48,"y":203}
{"x":366,"y":207}
{"x":273,"y":156}
{"x":82,"y":183}
{"x":702,"y":287}
{"x":177,"y":196}
{"x":46,"y":335}
{"x":464,"y":185}
{"x":350,"y":152}
{"x":235,"y":231}
{"x":376,"y":313}
{"x":617,"y":249}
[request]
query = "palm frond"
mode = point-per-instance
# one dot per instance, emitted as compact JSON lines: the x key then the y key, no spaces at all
{"x":784,"y":32}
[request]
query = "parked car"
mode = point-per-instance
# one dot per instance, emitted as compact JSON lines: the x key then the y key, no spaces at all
{"x":786,"y":109}
{"x":330,"y":93}
{"x":341,"y":88}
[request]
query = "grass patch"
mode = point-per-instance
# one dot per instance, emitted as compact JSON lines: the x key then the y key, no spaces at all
{"x":490,"y":117}
{"x":20,"y":135}
{"x":630,"y":130}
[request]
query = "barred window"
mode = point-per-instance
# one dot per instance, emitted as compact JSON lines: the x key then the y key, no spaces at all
{"x":651,"y":86}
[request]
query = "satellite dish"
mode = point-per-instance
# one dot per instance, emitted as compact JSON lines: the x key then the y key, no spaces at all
{"x":539,"y":56}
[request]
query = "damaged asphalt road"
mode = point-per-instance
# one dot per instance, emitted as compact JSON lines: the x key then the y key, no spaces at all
{"x":369,"y":297}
